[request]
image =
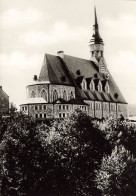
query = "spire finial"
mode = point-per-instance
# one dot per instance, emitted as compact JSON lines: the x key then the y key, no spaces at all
{"x":96,"y":23}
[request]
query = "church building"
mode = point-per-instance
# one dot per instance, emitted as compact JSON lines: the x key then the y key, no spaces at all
{"x":66,"y":83}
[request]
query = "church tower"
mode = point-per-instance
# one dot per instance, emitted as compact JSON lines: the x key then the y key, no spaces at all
{"x":97,"y":47}
{"x":96,"y":43}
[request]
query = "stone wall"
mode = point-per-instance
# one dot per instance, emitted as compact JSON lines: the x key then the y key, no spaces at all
{"x":62,"y":110}
{"x":38,"y":110}
{"x":37,"y":89}
{"x":90,"y":108}
{"x":106,"y":109}
{"x":122,"y":109}
{"x":49,"y":89}
{"x":113,"y":108}
{"x":60,"y":89}
{"x":51,"y":110}
{"x":98,"y":109}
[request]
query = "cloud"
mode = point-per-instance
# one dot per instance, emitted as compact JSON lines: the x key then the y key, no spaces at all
{"x":15,"y":17}
{"x":123,"y":69}
{"x":58,"y":32}
{"x":19,"y":60}
{"x":124,"y":25}
{"x":16,"y":72}
{"x":124,"y":62}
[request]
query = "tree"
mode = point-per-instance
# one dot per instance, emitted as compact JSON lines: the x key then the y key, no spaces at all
{"x":117,"y":174}
{"x":120,"y":133}
{"x":79,"y":148}
{"x":21,"y":158}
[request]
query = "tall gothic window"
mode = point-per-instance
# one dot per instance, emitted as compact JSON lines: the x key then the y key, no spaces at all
{"x":72,"y":95}
{"x":55,"y":95}
{"x":32,"y":94}
{"x":65,"y":95}
{"x":44,"y":95}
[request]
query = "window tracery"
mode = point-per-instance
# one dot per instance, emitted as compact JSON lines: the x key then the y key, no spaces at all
{"x":55,"y":95}
{"x":44,"y":95}
{"x":65,"y":95}
{"x":32,"y":94}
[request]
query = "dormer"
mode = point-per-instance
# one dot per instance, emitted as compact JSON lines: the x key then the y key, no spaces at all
{"x":90,"y":84}
{"x":106,"y":87}
{"x":81,"y":82}
{"x":84,"y":84}
{"x":98,"y":85}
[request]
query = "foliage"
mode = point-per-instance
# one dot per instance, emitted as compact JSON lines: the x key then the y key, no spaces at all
{"x":65,"y":157}
{"x":117,"y":174}
{"x":79,"y":151}
{"x":120,"y":133}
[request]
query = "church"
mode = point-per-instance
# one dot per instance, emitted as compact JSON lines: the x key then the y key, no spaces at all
{"x":66,"y":83}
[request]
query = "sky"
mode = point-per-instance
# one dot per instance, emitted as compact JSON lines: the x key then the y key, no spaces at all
{"x":29,"y":29}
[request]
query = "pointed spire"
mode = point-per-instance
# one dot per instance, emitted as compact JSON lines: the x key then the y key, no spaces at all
{"x":95,"y":16}
{"x":96,"y":36}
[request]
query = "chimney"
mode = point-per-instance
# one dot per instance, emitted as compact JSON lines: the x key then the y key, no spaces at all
{"x":1,"y":87}
{"x":61,"y":54}
{"x":35,"y":78}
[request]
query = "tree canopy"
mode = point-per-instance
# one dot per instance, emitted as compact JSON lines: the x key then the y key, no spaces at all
{"x":77,"y":156}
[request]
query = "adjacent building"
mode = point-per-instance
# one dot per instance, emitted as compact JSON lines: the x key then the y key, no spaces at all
{"x":4,"y":103}
{"x":66,"y":83}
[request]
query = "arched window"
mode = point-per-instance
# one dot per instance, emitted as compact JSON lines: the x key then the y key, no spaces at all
{"x":107,"y":89}
{"x":55,"y":95}
{"x":32,"y":94}
{"x":65,"y":95}
{"x":71,"y":95}
{"x":44,"y":95}
{"x":84,"y":84}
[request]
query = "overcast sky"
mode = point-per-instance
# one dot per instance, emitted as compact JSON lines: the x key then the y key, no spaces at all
{"x":31,"y":28}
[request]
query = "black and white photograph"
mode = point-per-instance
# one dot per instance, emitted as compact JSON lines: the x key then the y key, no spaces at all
{"x":68,"y":98}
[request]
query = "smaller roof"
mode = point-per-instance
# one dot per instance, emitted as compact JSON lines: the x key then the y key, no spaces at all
{"x":38,"y":83}
{"x":77,"y":102}
{"x":34,"y":100}
{"x":60,"y":101}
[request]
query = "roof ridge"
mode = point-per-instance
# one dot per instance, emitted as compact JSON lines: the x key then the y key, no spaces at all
{"x":67,"y":56}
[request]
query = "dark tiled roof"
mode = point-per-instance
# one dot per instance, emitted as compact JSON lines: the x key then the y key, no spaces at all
{"x":77,"y":101}
{"x":88,"y":80}
{"x":60,"y":100}
{"x":54,"y":69}
{"x":79,"y":80}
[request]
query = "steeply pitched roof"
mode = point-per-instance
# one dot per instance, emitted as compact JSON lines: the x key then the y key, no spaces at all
{"x":54,"y":69}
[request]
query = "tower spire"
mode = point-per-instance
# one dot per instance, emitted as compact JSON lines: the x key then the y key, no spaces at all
{"x":96,"y":36}
{"x":96,"y":43}
{"x":95,"y":16}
